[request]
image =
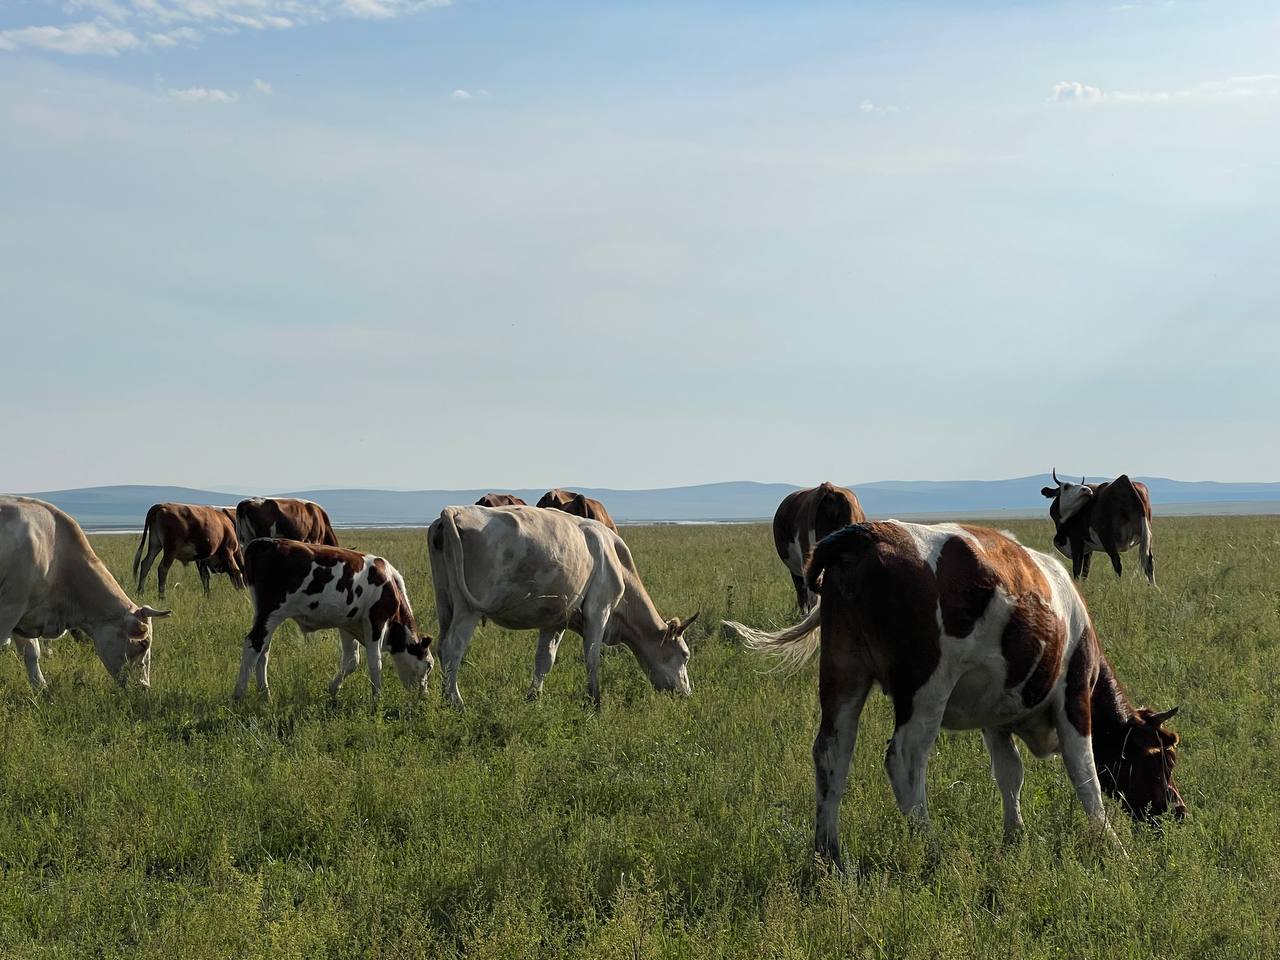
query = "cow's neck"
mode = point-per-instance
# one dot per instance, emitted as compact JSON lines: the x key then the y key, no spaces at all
{"x":639,"y":623}
{"x":94,"y":597}
{"x":1110,"y":715}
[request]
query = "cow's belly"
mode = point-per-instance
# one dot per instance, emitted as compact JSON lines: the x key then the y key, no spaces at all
{"x":980,"y":700}
{"x":536,"y":613}
{"x":325,"y":611}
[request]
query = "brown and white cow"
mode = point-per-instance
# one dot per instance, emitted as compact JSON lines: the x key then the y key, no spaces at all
{"x":1111,"y":517}
{"x":577,"y":505}
{"x":500,"y":500}
{"x":51,"y":581}
{"x":548,"y":571}
{"x":965,"y":628}
{"x":803,"y":518}
{"x":320,"y":587}
{"x":189,"y":533}
{"x":285,"y":518}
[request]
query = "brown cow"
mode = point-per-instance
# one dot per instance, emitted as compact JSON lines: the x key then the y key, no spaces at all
{"x":805,"y":517}
{"x":500,"y":500}
{"x":1111,"y":517}
{"x":189,"y":533}
{"x":578,"y":505}
{"x":965,"y":628}
{"x":285,"y":518}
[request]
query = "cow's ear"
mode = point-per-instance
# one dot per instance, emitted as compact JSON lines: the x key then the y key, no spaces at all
{"x":1049,"y":492}
{"x":138,"y":628}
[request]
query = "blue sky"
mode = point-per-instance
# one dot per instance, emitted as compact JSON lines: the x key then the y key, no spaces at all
{"x":301,"y":243}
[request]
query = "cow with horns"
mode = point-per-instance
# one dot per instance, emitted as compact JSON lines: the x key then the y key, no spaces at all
{"x":1111,"y":517}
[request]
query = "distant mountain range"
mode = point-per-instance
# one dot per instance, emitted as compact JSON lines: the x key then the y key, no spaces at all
{"x":124,"y":507}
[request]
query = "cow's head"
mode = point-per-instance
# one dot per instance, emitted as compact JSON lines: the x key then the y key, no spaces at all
{"x":1142,"y":775}
{"x":413,"y":660}
{"x":127,"y":640}
{"x":668,"y":664}
{"x":1069,"y":498}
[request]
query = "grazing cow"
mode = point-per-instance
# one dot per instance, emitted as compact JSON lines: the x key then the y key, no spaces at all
{"x":189,"y":533}
{"x":547,"y":571}
{"x":500,"y":500}
{"x":804,"y":517}
{"x":965,"y":628}
{"x":577,"y":505}
{"x":284,"y":518}
{"x":319,"y":587}
{"x":1111,"y":517}
{"x":52,"y":581}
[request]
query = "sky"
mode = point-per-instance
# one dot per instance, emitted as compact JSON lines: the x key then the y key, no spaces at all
{"x":389,"y":243}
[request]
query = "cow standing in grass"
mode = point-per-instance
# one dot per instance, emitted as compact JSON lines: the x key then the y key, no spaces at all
{"x":51,"y":581}
{"x":803,"y":518}
{"x":189,"y":533}
{"x":577,"y":505}
{"x":1110,"y":517}
{"x":285,"y":518}
{"x":965,"y":628}
{"x":548,"y":571}
{"x":321,"y":587}
{"x":500,"y":500}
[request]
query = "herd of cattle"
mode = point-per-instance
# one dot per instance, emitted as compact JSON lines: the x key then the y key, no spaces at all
{"x":962,"y":626}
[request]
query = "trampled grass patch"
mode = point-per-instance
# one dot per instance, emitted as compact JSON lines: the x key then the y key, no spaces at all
{"x":169,"y":823}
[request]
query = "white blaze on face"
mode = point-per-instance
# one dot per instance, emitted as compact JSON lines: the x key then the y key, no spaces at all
{"x":1071,"y":498}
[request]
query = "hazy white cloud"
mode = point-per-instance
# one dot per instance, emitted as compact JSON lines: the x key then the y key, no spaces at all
{"x":460,"y":95}
{"x":261,"y":86}
{"x":204,"y":95}
{"x":134,"y":25}
{"x":866,"y":106}
{"x":1232,"y":88}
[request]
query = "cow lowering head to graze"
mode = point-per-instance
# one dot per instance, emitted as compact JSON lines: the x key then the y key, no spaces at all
{"x":321,"y":587}
{"x":284,"y":518}
{"x":965,"y":628}
{"x":803,"y":518}
{"x":548,"y":571}
{"x":189,"y":533}
{"x":52,"y":581}
{"x":577,"y":505}
{"x":500,"y":500}
{"x":1111,"y":517}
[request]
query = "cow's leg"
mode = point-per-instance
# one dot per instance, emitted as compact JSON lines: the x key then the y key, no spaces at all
{"x":30,"y":651}
{"x":1078,"y":559}
{"x":548,"y":644}
{"x":453,"y":647}
{"x":1145,"y":556}
{"x":1114,"y":554}
{"x":373,"y":651}
{"x":802,"y":593}
{"x":162,"y":573}
{"x":153,"y":550}
{"x":349,"y":662}
{"x":256,"y":644}
{"x":203,"y":569}
{"x":593,"y":628}
{"x":843,"y":695}
{"x":918,"y":721}
{"x":1006,"y":769}
{"x":1077,"y":757}
{"x":1084,"y":564}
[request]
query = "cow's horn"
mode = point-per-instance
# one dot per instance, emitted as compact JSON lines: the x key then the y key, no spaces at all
{"x":1159,"y":718}
{"x":1056,"y":481}
{"x":147,"y":613}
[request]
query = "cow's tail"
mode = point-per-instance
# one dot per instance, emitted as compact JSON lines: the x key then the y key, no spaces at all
{"x":792,"y":647}
{"x":1144,"y":547}
{"x":142,"y":543}
{"x":451,"y":547}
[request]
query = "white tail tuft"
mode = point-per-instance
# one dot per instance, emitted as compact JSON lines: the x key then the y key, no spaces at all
{"x":793,"y":647}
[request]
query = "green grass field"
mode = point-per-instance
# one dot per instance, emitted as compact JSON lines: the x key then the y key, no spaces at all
{"x":170,"y":824}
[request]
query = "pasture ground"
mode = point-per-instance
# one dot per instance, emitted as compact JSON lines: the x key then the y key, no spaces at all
{"x":170,"y":824}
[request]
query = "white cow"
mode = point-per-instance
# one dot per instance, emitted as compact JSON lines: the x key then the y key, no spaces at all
{"x":548,"y":571}
{"x":52,"y":581}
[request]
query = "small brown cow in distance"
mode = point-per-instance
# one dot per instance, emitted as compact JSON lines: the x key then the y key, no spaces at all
{"x":284,"y":518}
{"x":500,"y":500}
{"x":805,"y":517}
{"x":578,"y":505}
{"x":189,"y":533}
{"x":1110,"y":517}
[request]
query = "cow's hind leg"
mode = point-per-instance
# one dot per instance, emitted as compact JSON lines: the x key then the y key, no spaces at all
{"x":153,"y":550}
{"x":918,"y":720}
{"x":802,"y":593}
{"x":593,"y":629}
{"x":843,"y":695}
{"x":453,"y":647}
{"x":349,"y":663}
{"x":1114,"y":554}
{"x":202,"y":567}
{"x":1085,"y":563}
{"x":162,"y":573}
{"x":30,"y":650}
{"x":1006,"y":769}
{"x":257,"y":644}
{"x":548,"y":644}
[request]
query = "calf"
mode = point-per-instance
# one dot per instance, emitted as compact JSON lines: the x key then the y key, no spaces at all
{"x":189,"y":533}
{"x":285,"y":518}
{"x":1111,"y":517}
{"x":577,"y":505}
{"x":51,"y":581}
{"x":965,"y":628}
{"x":500,"y":500}
{"x":803,"y":518}
{"x":319,"y":587}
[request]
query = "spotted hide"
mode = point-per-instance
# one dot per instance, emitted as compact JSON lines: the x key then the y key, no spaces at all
{"x":321,"y":587}
{"x":189,"y":533}
{"x":1109,"y":517}
{"x":284,"y":518}
{"x":965,"y":628}
{"x":803,"y":518}
{"x":577,"y":505}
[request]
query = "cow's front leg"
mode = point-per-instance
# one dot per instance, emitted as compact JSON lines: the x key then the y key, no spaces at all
{"x":349,"y":662}
{"x":30,"y":650}
{"x":1077,"y":757}
{"x":373,"y":651}
{"x":1006,"y":769}
{"x":548,"y":645}
{"x":1114,"y":554}
{"x":1085,"y":563}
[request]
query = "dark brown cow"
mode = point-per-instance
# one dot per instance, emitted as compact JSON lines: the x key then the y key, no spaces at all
{"x":500,"y":500}
{"x":319,"y":587}
{"x":189,"y":533}
{"x":805,"y":517}
{"x":1111,"y":517}
{"x":965,"y":628}
{"x":285,"y":518}
{"x":578,"y":505}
